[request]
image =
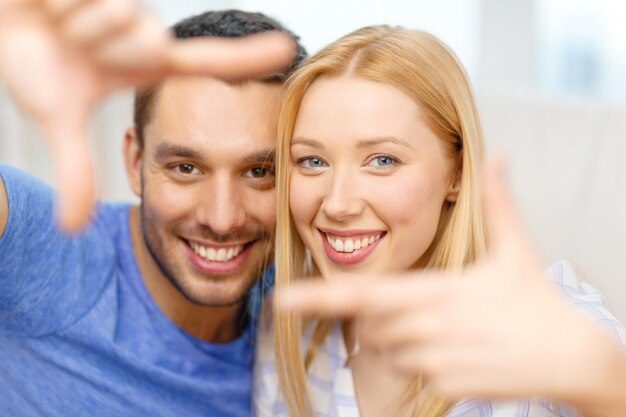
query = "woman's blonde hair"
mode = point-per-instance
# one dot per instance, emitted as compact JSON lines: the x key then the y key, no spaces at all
{"x":425,"y":69}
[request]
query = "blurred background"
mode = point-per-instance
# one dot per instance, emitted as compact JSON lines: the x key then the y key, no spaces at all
{"x":550,"y":78}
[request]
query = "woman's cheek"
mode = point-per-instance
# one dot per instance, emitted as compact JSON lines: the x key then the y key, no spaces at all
{"x":303,"y":200}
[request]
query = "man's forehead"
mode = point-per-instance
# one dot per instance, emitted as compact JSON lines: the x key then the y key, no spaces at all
{"x":203,"y":113}
{"x":181,"y":89}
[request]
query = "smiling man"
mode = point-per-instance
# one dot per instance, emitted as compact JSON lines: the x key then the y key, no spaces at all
{"x":149,"y":312}
{"x":201,"y":157}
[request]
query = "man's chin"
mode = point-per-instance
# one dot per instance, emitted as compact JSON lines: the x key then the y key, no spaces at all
{"x":216,"y":292}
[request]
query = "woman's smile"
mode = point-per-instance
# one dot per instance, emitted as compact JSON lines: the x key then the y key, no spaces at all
{"x":350,"y":246}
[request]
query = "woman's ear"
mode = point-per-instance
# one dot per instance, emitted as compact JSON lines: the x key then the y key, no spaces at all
{"x":455,"y":182}
{"x":132,"y":158}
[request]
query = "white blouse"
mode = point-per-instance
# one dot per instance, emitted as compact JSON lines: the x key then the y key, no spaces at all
{"x":332,"y":386}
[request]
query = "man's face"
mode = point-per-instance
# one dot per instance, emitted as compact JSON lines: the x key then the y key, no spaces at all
{"x":207,"y":185}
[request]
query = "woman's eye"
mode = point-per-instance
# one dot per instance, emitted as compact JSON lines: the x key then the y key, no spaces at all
{"x":311,"y":162}
{"x":382,"y":161}
{"x":186,"y":169}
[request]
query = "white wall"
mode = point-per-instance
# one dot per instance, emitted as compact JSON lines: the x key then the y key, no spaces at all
{"x":494,"y":39}
{"x":321,"y":22}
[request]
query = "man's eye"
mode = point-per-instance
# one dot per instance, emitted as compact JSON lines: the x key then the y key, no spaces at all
{"x":186,"y":169}
{"x":311,"y":162}
{"x":382,"y":161}
{"x":261,"y":172}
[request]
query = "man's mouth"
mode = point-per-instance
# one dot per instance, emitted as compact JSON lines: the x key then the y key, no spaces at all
{"x":217,"y":253}
{"x":218,"y":259}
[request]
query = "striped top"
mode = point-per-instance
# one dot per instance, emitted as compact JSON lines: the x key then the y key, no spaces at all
{"x":332,"y":387}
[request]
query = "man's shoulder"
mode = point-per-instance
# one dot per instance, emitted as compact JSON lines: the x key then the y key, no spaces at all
{"x":113,"y":214}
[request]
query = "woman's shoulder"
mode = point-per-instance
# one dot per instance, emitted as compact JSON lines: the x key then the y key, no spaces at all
{"x":525,"y":407}
{"x":585,"y":298}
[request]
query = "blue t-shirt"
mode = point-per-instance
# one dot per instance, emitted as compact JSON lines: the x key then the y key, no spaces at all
{"x":80,"y":335}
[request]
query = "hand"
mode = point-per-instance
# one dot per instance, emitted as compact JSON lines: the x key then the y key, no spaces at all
{"x":494,"y":329}
{"x":59,"y":58}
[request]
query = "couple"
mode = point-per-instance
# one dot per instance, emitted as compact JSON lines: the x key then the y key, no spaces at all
{"x":146,"y":312}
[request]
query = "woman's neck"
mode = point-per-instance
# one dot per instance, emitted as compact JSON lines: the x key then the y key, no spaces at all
{"x":380,"y":389}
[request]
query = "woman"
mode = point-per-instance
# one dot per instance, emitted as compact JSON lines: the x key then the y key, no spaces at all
{"x":379,"y":148}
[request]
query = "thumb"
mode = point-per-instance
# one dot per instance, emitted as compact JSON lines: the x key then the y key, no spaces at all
{"x":73,"y":171}
{"x":505,"y":228}
{"x":231,"y":58}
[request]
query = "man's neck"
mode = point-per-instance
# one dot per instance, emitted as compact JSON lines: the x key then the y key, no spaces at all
{"x":211,"y":324}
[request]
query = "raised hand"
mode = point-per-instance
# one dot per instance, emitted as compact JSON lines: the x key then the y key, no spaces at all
{"x":58,"y":58}
{"x":495,"y":329}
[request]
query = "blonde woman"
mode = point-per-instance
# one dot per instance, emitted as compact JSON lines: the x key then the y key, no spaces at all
{"x":379,"y":150}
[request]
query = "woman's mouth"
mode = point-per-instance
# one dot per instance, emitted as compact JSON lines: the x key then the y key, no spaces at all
{"x":350,"y":247}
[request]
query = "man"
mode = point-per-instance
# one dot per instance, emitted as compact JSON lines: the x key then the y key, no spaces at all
{"x":146,"y":312}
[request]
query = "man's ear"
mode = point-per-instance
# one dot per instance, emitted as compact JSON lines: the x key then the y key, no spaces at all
{"x":133,"y":153}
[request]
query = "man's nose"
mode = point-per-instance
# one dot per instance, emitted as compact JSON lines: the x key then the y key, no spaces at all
{"x":342,"y":200}
{"x":221,"y":207}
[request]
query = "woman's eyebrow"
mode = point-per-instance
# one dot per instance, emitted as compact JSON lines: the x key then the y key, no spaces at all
{"x":307,"y":141}
{"x":365,"y":143}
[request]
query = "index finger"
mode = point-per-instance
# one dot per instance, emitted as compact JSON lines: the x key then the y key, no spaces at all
{"x":231,"y":58}
{"x":74,"y":174}
{"x":362,"y":297}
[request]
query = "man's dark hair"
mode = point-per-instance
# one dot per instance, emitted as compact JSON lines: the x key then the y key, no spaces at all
{"x":223,"y":23}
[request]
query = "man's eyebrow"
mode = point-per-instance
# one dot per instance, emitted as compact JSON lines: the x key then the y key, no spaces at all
{"x":364,"y":143}
{"x":168,"y":150}
{"x":262,"y":156}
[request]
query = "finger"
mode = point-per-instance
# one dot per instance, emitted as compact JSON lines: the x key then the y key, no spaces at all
{"x":58,"y":8}
{"x":139,"y":50}
{"x":439,"y":360}
{"x":97,"y":21}
{"x":232,"y":58}
{"x":364,"y":297}
{"x":505,"y":228}
{"x":74,"y":174}
{"x":319,"y":298}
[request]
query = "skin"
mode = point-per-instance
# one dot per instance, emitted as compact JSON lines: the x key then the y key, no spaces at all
{"x":82,"y":50}
{"x":434,"y":322}
{"x":205,"y":175}
{"x":358,"y":146}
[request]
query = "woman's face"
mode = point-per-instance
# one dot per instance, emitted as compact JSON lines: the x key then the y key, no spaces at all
{"x":368,"y":178}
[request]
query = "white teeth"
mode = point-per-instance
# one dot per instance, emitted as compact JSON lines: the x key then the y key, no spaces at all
{"x":219,"y":255}
{"x":349,"y":245}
